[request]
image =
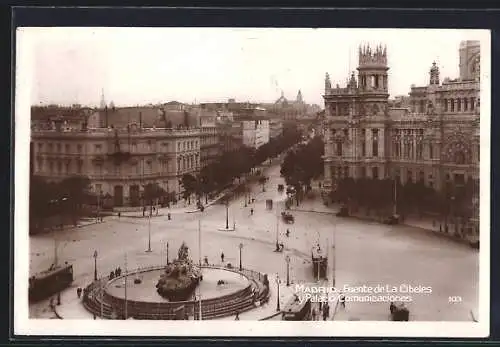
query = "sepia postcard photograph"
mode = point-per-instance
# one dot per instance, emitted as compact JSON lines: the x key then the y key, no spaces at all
{"x":252,"y":182}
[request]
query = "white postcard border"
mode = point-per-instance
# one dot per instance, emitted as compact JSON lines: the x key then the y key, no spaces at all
{"x":23,"y":325}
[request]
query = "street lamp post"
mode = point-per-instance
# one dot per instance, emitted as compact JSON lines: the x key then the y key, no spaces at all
{"x":167,"y":254}
{"x":278,"y":308}
{"x":95,"y":265}
{"x":287,"y":259}
{"x":149,"y":230}
{"x":227,"y":213}
{"x":241,"y":247}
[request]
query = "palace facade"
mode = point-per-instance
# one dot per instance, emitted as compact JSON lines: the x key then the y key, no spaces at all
{"x":433,"y":137}
{"x":119,"y":161}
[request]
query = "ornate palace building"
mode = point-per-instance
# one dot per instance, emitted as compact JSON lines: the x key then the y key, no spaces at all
{"x":119,"y":159}
{"x":435,"y":139}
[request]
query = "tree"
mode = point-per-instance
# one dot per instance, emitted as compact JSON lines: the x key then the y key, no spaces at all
{"x":41,"y":193}
{"x":152,"y":192}
{"x":76,"y":189}
{"x":190,"y":185}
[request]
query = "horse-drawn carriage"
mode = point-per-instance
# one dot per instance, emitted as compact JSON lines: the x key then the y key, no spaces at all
{"x":287,"y":217}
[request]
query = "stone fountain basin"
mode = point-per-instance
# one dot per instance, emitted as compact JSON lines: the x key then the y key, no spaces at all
{"x":146,"y":290}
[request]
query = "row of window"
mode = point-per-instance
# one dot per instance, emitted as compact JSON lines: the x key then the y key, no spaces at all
{"x":60,"y":167}
{"x":66,"y":148}
{"x":450,"y":105}
{"x":460,"y":104}
{"x":59,"y":148}
{"x":343,"y":172}
{"x":375,"y":81}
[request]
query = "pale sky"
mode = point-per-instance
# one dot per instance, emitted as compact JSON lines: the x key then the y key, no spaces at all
{"x":143,"y":65}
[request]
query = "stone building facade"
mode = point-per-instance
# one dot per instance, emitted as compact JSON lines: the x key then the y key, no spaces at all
{"x":119,"y":162}
{"x":435,"y":139}
{"x":255,"y":132}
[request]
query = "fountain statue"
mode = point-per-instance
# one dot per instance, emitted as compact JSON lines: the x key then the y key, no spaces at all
{"x":180,"y":278}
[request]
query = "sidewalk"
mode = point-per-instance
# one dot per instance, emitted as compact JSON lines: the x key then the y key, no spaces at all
{"x":179,"y":208}
{"x":71,"y":306}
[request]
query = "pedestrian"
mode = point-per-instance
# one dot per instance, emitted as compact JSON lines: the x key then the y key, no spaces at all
{"x":287,"y":232}
{"x":79,"y":292}
{"x":237,"y":316}
{"x":222,"y":257}
{"x":320,"y":305}
{"x":169,"y":216}
{"x":119,"y":271}
{"x":325,"y":312}
{"x":251,"y":211}
{"x":342,"y":300}
{"x":313,"y":314}
{"x":206,"y":260}
{"x":119,"y":215}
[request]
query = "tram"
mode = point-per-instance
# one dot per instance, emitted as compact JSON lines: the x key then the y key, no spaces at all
{"x":296,"y":310}
{"x":49,"y":282}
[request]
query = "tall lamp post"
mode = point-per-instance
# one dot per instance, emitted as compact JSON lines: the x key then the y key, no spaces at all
{"x":95,"y":265}
{"x":167,"y":254}
{"x":287,"y":259}
{"x":240,"y":247}
{"x":149,"y":229}
{"x":278,"y":308}
{"x":227,"y":213}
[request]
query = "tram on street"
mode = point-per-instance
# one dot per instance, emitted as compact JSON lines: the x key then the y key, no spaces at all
{"x":49,"y":282}
{"x":296,"y":310}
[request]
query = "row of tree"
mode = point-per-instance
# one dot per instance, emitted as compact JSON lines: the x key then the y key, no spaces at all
{"x":236,"y":164}
{"x":384,"y":194}
{"x":302,"y":164}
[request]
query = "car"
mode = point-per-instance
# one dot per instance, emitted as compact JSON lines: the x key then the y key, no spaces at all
{"x":399,"y":312}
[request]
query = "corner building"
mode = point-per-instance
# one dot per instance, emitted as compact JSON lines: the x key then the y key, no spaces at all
{"x":435,"y":140}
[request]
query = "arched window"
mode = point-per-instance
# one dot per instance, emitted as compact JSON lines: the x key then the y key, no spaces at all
{"x":465,"y":104}
{"x":445,"y":104}
{"x":472,"y":104}
{"x":459,"y":105}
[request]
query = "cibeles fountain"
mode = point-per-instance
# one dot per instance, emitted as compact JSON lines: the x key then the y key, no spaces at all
{"x":178,"y":290}
{"x":181,"y":277}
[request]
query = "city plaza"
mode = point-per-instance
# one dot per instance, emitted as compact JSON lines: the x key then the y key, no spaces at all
{"x":360,"y":252}
{"x":365,"y":253}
